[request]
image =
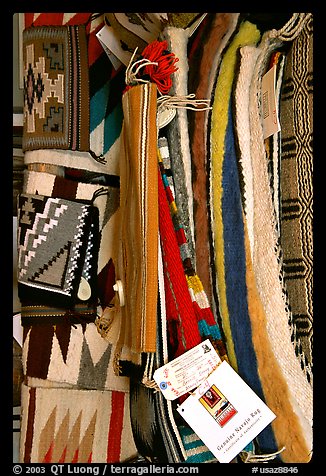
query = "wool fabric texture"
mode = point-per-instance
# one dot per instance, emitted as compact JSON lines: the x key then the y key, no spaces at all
{"x":72,"y":354}
{"x":296,"y":185}
{"x":105,"y":93}
{"x":247,"y":61}
{"x":266,"y":256}
{"x":55,"y":75}
{"x":177,"y":132}
{"x":180,"y":314}
{"x":61,"y":425}
{"x":207,"y":325}
{"x":172,"y":259}
{"x":235,"y":279}
{"x":136,"y":248}
{"x":204,"y":61}
{"x":106,"y":199}
{"x":247,"y":34}
{"x":55,"y":240}
{"x":286,"y":427}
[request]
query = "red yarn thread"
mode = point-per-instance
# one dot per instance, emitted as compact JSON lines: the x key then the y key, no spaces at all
{"x":160,"y":74}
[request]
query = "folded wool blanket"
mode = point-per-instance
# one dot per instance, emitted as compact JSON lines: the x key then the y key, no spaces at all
{"x":135,"y":253}
{"x":55,"y":74}
{"x":105,"y":198}
{"x":247,"y":59}
{"x":247,"y":34}
{"x":267,"y":263}
{"x":177,"y":133}
{"x":208,"y":328}
{"x":178,"y":275}
{"x":66,"y":347}
{"x":204,"y":59}
{"x":105,"y":86}
{"x":57,"y":242}
{"x":240,"y":314}
{"x":64,"y":425}
{"x":296,"y":185}
{"x":72,"y":354}
{"x":235,"y":279}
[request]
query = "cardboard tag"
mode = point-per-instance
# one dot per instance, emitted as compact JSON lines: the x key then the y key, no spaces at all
{"x":112,"y":47}
{"x":164,"y":116}
{"x":225,"y":413}
{"x":271,"y":123}
{"x":187,"y":371}
{"x":142,"y":25}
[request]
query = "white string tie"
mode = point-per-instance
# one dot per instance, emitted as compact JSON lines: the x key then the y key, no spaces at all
{"x":185,"y":102}
{"x":131,"y":72}
{"x":249,"y":457}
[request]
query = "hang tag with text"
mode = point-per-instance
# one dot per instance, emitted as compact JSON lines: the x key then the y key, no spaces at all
{"x":112,"y":47}
{"x":225,"y":413}
{"x":188,"y":371}
{"x":271,"y":123}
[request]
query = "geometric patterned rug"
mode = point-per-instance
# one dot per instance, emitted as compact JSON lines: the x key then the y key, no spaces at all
{"x":75,"y":426}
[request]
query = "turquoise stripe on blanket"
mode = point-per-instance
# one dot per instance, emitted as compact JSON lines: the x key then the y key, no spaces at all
{"x":195,"y":449}
{"x":112,"y":121}
{"x":206,"y":330}
{"x":112,"y":127}
{"x":98,"y":105}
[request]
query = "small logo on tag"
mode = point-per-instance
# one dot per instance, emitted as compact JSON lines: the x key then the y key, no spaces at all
{"x":217,"y":405}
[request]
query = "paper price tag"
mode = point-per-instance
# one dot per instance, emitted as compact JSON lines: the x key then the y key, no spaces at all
{"x":271,"y":123}
{"x":225,"y":413}
{"x":112,"y":47}
{"x":188,"y":371}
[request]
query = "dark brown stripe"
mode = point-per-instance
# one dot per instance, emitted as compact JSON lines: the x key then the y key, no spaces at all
{"x":39,"y":351}
{"x":64,"y":188}
{"x":74,"y":82}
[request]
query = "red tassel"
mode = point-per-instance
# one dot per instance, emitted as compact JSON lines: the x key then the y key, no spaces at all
{"x":160,"y":74}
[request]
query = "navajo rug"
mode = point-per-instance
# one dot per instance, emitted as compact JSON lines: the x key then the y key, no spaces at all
{"x":135,"y":253}
{"x":205,"y":319}
{"x":77,"y":350}
{"x":56,"y":93}
{"x":177,"y":133}
{"x":104,"y":100}
{"x":63,"y":425}
{"x":105,"y":198}
{"x":231,"y":251}
{"x":73,"y":355}
{"x":176,"y":332}
{"x":247,"y":34}
{"x":55,"y":241}
{"x":267,"y":263}
{"x":296,"y":184}
{"x":204,"y":58}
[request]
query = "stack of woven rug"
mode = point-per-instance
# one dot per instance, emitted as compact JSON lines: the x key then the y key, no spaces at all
{"x":156,"y":214}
